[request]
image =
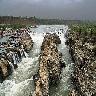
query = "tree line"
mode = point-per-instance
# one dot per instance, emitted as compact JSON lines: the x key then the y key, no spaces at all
{"x":33,"y":20}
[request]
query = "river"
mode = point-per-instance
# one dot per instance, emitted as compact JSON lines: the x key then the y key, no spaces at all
{"x":20,"y":83}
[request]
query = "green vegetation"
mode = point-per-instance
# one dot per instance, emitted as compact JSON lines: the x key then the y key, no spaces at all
{"x":17,"y":20}
{"x":33,"y":20}
{"x":56,"y":21}
{"x":13,"y":26}
{"x":84,"y":28}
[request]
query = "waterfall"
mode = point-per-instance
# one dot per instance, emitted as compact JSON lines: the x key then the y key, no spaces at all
{"x":20,"y":83}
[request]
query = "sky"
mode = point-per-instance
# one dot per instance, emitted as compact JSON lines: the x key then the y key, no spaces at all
{"x":63,"y":9}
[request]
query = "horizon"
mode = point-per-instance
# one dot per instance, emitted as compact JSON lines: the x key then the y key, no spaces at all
{"x":49,"y":18}
{"x":51,"y":9}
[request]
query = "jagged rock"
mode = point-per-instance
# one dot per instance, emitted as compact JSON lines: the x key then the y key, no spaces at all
{"x":49,"y":65}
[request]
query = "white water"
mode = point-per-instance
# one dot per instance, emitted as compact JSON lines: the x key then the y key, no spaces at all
{"x":20,"y":83}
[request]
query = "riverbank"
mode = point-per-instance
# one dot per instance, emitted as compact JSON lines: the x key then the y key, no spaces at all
{"x":82,"y":47}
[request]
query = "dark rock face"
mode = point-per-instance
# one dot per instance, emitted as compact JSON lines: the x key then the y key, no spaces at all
{"x":50,"y":67}
{"x":83,"y":52}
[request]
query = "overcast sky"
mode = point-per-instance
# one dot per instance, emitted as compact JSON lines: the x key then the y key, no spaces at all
{"x":67,"y":9}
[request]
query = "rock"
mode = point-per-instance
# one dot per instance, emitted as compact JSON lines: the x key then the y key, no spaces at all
{"x":62,"y":63}
{"x":27,"y":42}
{"x":13,"y":56}
{"x":83,"y":52}
{"x":5,"y":68}
{"x":15,"y":66}
{"x":1,"y":75}
{"x":72,"y":93}
{"x":49,"y":65}
{"x":15,"y":47}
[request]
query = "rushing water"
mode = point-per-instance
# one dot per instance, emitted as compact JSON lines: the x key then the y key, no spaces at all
{"x":20,"y":83}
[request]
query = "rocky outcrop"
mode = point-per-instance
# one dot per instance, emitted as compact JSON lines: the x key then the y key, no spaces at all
{"x":49,"y":65}
{"x":16,"y":46}
{"x":83,"y":52}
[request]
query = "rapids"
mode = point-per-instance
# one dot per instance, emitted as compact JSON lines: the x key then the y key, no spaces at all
{"x":20,"y":83}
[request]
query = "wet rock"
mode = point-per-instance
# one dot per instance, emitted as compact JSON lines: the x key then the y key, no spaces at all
{"x":49,"y":65}
{"x":4,"y":68}
{"x":62,"y":63}
{"x":1,"y":75}
{"x":13,"y":56}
